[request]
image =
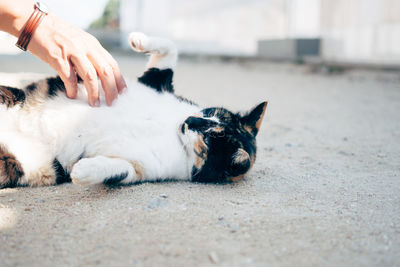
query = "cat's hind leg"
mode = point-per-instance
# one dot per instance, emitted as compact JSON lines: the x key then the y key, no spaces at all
{"x":107,"y":170}
{"x":25,"y":161}
{"x":10,"y":168}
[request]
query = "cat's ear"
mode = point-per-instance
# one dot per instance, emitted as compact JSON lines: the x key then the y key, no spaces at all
{"x":252,"y":120}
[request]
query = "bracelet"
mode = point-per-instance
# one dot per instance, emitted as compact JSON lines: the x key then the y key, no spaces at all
{"x":39,"y":12}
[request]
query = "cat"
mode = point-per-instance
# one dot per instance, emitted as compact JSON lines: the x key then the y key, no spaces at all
{"x":149,"y":134}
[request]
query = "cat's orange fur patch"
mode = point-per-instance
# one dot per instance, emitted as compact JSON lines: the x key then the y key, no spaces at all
{"x":136,"y":166}
{"x":258,"y":124}
{"x":237,"y":178}
{"x":200,"y":149}
{"x":138,"y":169}
{"x":7,"y":98}
{"x":248,"y":128}
{"x":241,"y":156}
{"x":43,"y":176}
{"x":10,"y":168}
{"x":252,"y":160}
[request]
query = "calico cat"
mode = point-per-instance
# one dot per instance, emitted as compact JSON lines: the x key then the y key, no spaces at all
{"x":148,"y":134}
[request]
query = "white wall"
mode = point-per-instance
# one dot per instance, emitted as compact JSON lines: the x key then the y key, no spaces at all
{"x":354,"y":31}
{"x":304,"y":18}
{"x":151,"y":16}
{"x":223,"y":26}
{"x":361,"y":31}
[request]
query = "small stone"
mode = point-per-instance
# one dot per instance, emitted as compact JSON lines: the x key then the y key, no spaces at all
{"x":156,"y":203}
{"x":234,"y":228}
{"x":164,"y":196}
{"x":27,"y":209}
{"x":213,"y":257}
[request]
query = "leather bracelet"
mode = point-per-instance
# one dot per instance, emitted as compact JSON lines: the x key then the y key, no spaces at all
{"x":39,"y":12}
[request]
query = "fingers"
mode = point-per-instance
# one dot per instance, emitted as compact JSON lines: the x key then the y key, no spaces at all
{"x":88,"y":74}
{"x":106,"y":75}
{"x":67,"y":74}
{"x":119,"y":80}
{"x":106,"y":68}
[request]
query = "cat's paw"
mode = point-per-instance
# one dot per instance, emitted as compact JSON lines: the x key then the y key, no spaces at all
{"x":140,"y":42}
{"x":86,"y":172}
{"x":102,"y":169}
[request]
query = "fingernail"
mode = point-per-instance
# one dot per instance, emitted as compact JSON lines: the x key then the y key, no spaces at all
{"x":97,"y":103}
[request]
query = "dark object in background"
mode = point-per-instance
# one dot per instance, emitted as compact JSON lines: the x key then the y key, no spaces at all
{"x":288,"y":49}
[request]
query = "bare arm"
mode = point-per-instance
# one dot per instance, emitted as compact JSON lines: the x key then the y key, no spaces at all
{"x":68,"y":49}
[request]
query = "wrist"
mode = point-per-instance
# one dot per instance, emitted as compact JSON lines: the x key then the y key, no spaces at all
{"x":39,"y":12}
{"x":14,"y":15}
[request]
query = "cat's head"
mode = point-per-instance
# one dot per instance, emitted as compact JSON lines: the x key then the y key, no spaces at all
{"x":223,"y":144}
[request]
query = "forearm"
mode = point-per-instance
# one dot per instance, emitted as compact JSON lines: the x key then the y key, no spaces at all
{"x":14,"y":14}
{"x":68,"y":49}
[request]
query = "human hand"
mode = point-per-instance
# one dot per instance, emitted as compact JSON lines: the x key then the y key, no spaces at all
{"x":70,"y":51}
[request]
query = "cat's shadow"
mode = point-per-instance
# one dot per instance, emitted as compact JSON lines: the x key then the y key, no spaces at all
{"x":103,"y":190}
{"x":68,"y":192}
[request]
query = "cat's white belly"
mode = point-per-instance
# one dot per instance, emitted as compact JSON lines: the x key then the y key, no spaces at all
{"x":141,"y":126}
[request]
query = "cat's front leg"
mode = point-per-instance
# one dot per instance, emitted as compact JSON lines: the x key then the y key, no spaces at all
{"x":107,"y":170}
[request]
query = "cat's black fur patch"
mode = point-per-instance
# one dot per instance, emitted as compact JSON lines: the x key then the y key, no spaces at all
{"x":52,"y":86}
{"x":11,"y":96}
{"x":55,"y":85}
{"x":160,"y":80}
{"x":115,"y":179}
{"x":10,"y":169}
{"x":61,"y":175}
{"x":30,"y":88}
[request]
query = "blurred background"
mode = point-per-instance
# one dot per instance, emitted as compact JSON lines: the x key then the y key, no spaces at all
{"x":365,"y":32}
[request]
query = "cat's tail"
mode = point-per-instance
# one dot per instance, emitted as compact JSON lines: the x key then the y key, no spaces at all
{"x":163,"y":52}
